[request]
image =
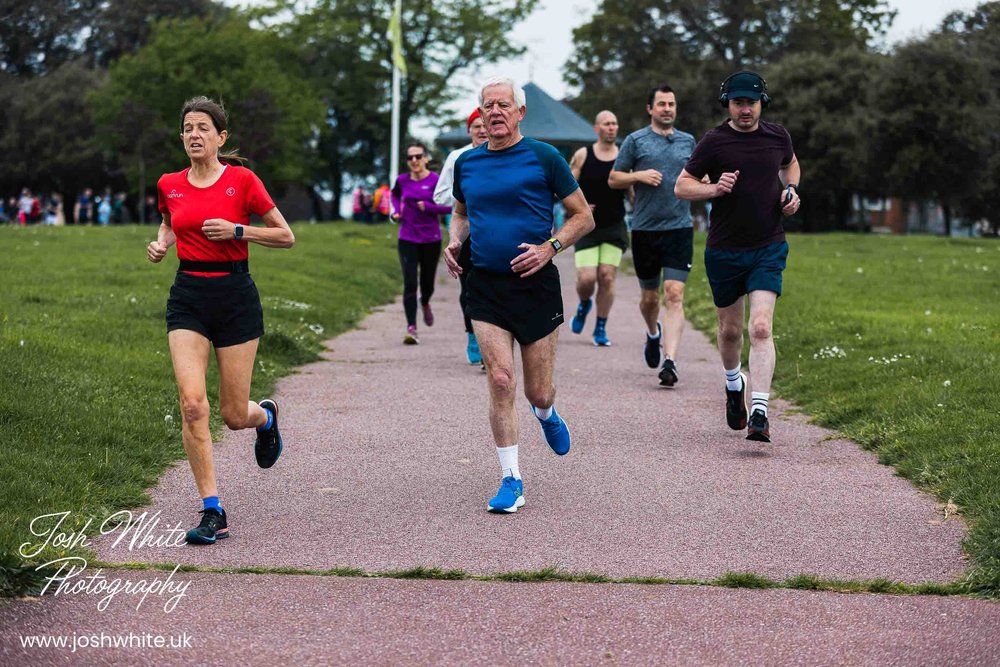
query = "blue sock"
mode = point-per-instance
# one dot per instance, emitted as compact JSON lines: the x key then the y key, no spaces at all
{"x":212,"y":502}
{"x":270,"y":421}
{"x":601,"y":321}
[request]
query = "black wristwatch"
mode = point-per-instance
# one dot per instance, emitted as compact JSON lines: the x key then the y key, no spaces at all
{"x":238,"y":232}
{"x":556,"y":244}
{"x":793,"y":186}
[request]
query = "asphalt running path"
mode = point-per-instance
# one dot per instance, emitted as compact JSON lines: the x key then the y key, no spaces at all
{"x":241,"y":619}
{"x":389,"y":463}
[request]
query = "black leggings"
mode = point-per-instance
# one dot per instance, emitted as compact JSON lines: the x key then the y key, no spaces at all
{"x":465,"y":261}
{"x":413,"y":257}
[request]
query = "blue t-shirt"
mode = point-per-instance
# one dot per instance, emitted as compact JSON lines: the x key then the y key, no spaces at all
{"x":508,"y":195}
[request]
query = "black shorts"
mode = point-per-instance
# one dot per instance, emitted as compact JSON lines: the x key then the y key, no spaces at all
{"x":226,"y":310}
{"x":662,"y":255}
{"x":530,"y":308}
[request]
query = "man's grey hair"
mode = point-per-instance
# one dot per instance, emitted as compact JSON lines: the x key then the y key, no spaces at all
{"x":503,"y":81}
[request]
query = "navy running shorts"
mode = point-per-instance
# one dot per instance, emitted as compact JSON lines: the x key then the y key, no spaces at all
{"x":733,"y":273}
{"x":226,"y":309}
{"x":530,"y":308}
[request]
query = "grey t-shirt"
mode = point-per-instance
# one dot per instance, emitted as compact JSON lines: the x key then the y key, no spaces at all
{"x":657,"y":209}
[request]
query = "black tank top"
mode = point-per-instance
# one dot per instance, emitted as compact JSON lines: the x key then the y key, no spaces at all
{"x":609,"y":205}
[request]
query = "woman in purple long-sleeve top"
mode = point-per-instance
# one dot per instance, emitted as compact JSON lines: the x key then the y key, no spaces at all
{"x":419,"y":235}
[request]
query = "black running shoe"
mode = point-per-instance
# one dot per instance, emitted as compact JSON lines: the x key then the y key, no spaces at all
{"x":736,"y":406}
{"x":652,"y":349}
{"x":758,"y":429}
{"x":267,"y":447}
{"x":668,"y":374}
{"x":213,"y":527}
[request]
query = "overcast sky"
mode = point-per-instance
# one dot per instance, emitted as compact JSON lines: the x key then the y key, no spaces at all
{"x":548,"y":35}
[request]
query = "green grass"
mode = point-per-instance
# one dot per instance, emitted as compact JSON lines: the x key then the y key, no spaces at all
{"x":895,"y":342}
{"x":88,"y":403}
{"x":88,"y":407}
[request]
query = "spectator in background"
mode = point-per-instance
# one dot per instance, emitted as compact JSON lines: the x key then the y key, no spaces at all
{"x":83,"y":211}
{"x":357,"y":204}
{"x":54,"y":210}
{"x":104,"y":208}
{"x":24,"y":206}
{"x":118,"y":213}
{"x":380,"y":203}
{"x":149,"y":213}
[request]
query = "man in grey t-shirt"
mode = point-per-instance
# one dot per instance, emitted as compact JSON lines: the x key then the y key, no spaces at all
{"x":650,"y":160}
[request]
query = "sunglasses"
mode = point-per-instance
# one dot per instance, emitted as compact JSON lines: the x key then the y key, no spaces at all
{"x":416,"y":156}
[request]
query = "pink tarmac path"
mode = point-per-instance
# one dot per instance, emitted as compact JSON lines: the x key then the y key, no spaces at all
{"x":388,"y":465}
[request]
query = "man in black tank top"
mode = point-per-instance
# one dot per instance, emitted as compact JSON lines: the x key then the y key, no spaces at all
{"x":599,"y":253}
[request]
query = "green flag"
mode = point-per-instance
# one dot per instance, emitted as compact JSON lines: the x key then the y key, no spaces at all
{"x":396,"y":37}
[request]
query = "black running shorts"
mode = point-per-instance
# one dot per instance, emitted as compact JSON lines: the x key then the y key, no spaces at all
{"x":530,"y":308}
{"x":226,"y":310}
{"x":662,"y":255}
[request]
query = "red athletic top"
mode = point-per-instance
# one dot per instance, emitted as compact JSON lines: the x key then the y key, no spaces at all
{"x":233,"y":197}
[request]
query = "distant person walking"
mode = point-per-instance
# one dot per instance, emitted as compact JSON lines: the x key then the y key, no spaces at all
{"x":503,"y":202}
{"x":662,"y":232}
{"x":599,"y":253}
{"x":443,"y":196}
{"x":214,"y":302}
{"x":754,"y":178}
{"x":419,"y":236}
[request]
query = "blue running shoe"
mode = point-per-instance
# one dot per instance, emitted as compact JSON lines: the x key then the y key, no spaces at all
{"x":601,"y":336}
{"x":555,"y":431}
{"x":472,"y":350}
{"x":581,"y":316}
{"x":509,"y":497}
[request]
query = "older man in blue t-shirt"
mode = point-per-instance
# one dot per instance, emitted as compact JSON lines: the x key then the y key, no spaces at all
{"x":504,"y":192}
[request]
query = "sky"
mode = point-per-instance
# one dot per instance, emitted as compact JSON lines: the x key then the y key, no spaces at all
{"x":548,"y":35}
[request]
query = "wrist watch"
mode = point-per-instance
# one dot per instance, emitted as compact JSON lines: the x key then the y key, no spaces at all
{"x":238,"y":232}
{"x":556,"y":244}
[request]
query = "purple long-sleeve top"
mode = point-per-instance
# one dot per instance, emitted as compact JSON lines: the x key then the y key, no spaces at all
{"x":415,"y":225}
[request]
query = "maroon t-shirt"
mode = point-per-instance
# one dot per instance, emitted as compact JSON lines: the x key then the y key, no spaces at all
{"x":750,"y":216}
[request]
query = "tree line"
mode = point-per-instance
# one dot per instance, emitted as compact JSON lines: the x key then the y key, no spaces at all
{"x":90,"y":90}
{"x":915,"y":122}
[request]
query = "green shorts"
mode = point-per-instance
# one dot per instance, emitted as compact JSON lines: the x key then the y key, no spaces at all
{"x":602,"y":254}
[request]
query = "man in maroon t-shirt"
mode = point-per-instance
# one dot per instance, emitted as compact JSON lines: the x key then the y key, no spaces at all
{"x":748,"y":168}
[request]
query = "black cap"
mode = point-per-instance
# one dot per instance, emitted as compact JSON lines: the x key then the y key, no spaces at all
{"x":744,"y":84}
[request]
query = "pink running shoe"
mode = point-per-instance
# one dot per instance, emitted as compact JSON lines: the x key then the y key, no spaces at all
{"x":428,"y":315}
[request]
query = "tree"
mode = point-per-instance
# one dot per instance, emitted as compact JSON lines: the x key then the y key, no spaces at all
{"x":825,"y":107}
{"x":932,"y":136}
{"x":37,"y":37}
{"x":46,"y":130}
{"x":694,"y":44}
{"x":346,"y":54}
{"x":274,"y":112}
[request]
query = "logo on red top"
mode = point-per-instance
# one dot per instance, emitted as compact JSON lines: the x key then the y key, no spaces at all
{"x":174,"y":194}
{"x":230,"y":191}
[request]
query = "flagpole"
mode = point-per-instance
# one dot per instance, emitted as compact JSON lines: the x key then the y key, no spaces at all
{"x":394,"y":142}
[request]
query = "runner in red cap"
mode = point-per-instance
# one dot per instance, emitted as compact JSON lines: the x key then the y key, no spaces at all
{"x":442,"y":195}
{"x":206,"y":212}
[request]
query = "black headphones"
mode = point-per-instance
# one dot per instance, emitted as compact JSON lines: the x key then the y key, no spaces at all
{"x":765,"y":99}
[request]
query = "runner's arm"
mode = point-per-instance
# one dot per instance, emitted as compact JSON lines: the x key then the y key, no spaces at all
{"x":578,"y":222}
{"x":691,"y":188}
{"x":165,"y":237}
{"x":459,"y":231}
{"x":576,"y":163}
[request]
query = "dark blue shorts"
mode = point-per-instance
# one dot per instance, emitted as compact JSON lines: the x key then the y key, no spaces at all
{"x":733,"y":273}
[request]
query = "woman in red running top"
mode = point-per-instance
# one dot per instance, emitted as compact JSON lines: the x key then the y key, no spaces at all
{"x":213,"y":302}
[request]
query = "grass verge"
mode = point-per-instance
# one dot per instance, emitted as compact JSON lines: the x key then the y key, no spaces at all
{"x":894,"y":342}
{"x":88,"y":403}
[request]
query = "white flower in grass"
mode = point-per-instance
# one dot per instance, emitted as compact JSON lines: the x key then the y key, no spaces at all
{"x":316,"y":329}
{"x":947,"y":383}
{"x":860,"y":270}
{"x":22,"y":342}
{"x":927,"y":312}
{"x":929,"y":330}
{"x":168,"y":418}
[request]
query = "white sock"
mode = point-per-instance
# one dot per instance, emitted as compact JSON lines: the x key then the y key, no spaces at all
{"x":653,"y":336}
{"x":508,"y":461}
{"x":759,"y":401}
{"x":542,"y":413}
{"x":733,"y":381}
